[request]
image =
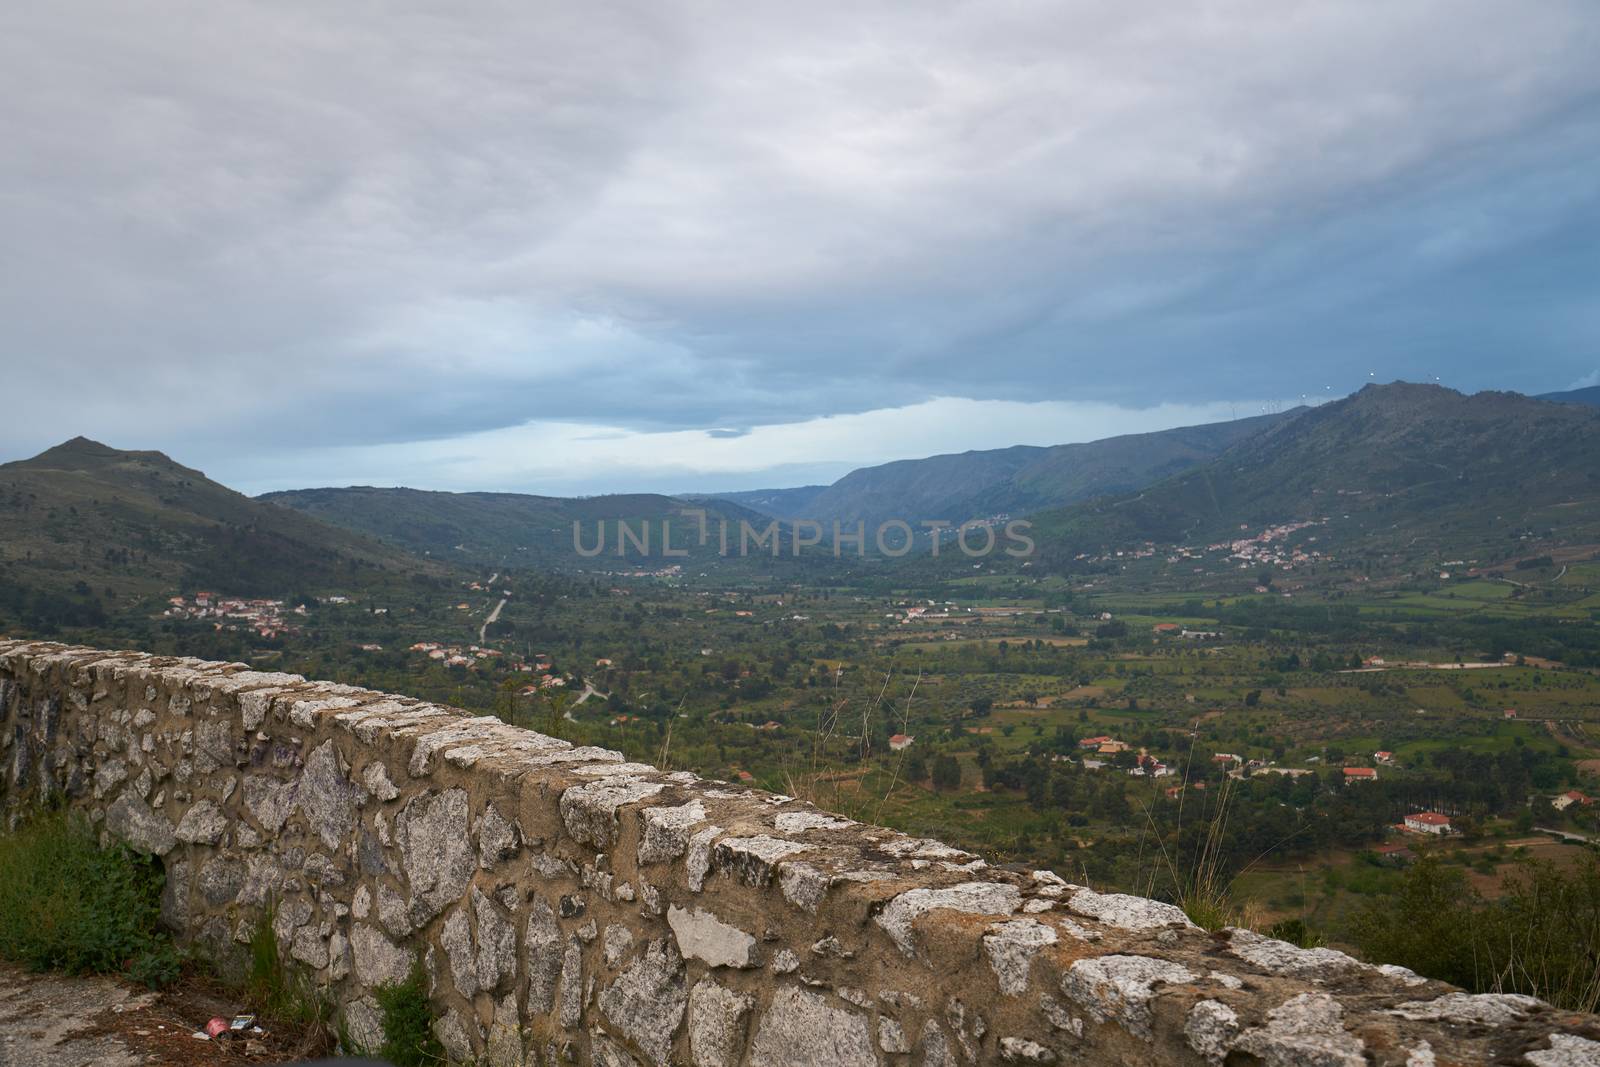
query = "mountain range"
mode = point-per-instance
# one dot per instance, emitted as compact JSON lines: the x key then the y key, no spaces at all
{"x":518,"y":529}
{"x":1419,"y":467}
{"x":1389,"y":467}
{"x":1183,"y":482}
{"x":535,"y":530}
{"x":1005,"y":481}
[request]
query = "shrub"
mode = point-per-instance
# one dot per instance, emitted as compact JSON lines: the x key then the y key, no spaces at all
{"x":1539,"y":938}
{"x":1426,"y":926}
{"x":66,"y":904}
{"x":408,"y":1022}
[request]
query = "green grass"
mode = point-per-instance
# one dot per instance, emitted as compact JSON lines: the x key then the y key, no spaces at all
{"x":66,"y":904}
{"x":277,"y":988}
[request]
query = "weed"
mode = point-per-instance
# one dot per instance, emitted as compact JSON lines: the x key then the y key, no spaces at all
{"x":1296,"y":932}
{"x":277,"y":988}
{"x":408,"y":1022}
{"x":1201,"y":885}
{"x":66,"y":904}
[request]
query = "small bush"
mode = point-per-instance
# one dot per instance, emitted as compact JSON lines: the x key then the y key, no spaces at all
{"x":408,"y":1022}
{"x":66,"y":904}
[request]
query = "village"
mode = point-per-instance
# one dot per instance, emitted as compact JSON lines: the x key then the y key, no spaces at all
{"x":469,"y":657}
{"x":264,"y":618}
{"x":949,"y":611}
{"x":1268,"y":548}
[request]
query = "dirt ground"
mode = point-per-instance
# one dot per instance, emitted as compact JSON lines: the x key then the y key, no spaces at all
{"x":1539,"y":848}
{"x":49,"y":1020}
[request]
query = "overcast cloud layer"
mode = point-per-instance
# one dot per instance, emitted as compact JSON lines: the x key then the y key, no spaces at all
{"x":583,"y":247}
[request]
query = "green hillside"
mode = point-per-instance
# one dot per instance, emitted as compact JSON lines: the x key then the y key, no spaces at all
{"x":1067,"y":474}
{"x":1014,"y":481}
{"x":1391,"y":467}
{"x":83,"y":523}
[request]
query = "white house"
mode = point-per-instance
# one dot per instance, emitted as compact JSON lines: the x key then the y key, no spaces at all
{"x":1428,"y":822}
{"x":1567,"y":799}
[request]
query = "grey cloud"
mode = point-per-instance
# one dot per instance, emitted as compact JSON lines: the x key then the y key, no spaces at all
{"x":305,"y":225}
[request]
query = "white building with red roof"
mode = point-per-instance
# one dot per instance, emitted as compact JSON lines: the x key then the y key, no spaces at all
{"x":1428,"y":822}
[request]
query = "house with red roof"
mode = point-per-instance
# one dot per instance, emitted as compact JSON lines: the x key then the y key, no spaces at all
{"x":1395,"y":854}
{"x":1567,"y":799}
{"x":1428,"y":822}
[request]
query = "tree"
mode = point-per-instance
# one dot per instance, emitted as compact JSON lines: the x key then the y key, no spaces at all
{"x":1425,"y":926}
{"x":946,"y":772}
{"x":505,"y":700}
{"x":1538,"y":938}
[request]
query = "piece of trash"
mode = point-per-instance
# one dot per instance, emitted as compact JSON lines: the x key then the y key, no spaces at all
{"x":257,"y":1030}
{"x":242,"y":1022}
{"x":255,"y":1048}
{"x":216,"y":1027}
{"x":200,"y":1035}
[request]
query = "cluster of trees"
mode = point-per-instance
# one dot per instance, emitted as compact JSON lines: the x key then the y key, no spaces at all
{"x":48,"y":613}
{"x":1267,"y":815}
{"x":1541,"y":937}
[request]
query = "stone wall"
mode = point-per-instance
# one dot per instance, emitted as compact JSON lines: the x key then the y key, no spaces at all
{"x":571,"y":907}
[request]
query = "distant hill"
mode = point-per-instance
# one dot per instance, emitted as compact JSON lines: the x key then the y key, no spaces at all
{"x":1067,"y":474}
{"x":1015,"y":481}
{"x":518,"y":529}
{"x":1590,"y":395}
{"x":779,"y":503}
{"x":86,"y":518}
{"x":1391,"y":466}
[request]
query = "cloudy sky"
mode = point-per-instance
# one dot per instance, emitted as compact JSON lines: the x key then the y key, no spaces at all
{"x":567,"y":248}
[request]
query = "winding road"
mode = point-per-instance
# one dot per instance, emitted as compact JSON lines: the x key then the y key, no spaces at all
{"x":1565,"y":835}
{"x":493,"y":616}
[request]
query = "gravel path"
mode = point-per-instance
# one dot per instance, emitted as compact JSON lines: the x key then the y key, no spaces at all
{"x":50,"y":1021}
